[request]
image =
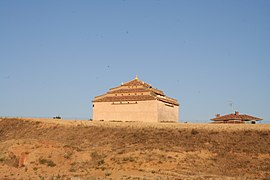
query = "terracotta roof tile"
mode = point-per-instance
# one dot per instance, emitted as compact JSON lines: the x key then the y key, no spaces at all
{"x":125,"y":98}
{"x":127,"y":90}
{"x":156,"y":91}
{"x":136,"y":82}
{"x":235,"y":116}
{"x":134,"y":86}
{"x":167,"y":100}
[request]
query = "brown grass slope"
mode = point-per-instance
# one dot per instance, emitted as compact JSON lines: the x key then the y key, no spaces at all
{"x":41,"y":150}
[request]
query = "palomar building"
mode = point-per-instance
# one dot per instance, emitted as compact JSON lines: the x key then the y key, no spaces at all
{"x":135,"y":100}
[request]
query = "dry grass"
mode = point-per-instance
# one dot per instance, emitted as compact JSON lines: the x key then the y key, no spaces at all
{"x":66,"y":149}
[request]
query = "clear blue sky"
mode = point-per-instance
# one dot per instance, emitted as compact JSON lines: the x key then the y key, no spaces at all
{"x":55,"y":56}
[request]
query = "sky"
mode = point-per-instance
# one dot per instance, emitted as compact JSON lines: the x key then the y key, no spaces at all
{"x":213,"y":56}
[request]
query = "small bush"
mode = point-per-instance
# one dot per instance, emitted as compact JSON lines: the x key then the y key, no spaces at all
{"x":49,"y":163}
{"x":37,"y":122}
{"x":100,"y":162}
{"x":120,"y":151}
{"x":98,"y":159}
{"x":68,"y":155}
{"x":194,"y":132}
{"x":95,"y":155}
{"x":130,"y":159}
{"x":72,"y":169}
{"x":107,"y":173}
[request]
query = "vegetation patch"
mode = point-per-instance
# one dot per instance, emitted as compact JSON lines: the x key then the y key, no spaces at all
{"x":112,"y":150}
{"x":2,"y":159}
{"x":194,"y":132}
{"x":98,"y":159}
{"x":68,"y":155}
{"x":48,"y":162}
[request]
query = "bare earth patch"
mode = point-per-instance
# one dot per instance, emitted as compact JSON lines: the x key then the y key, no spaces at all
{"x":64,"y":149}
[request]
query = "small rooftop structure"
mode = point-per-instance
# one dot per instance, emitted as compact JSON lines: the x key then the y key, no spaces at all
{"x":135,"y":100}
{"x":236,"y":118}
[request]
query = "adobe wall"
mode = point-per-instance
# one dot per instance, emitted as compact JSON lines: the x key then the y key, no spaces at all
{"x":167,"y":112}
{"x":145,"y":111}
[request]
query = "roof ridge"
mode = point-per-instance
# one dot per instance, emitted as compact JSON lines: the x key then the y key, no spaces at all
{"x":235,"y":116}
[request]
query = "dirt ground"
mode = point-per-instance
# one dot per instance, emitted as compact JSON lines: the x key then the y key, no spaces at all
{"x":65,"y":149}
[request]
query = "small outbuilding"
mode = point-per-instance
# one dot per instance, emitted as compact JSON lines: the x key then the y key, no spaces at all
{"x":236,"y":118}
{"x":135,"y":100}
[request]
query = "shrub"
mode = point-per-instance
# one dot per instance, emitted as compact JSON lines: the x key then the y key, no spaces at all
{"x":72,"y":169}
{"x":130,"y":159}
{"x":98,"y":159}
{"x":68,"y":155}
{"x":49,"y":163}
{"x":194,"y":132}
{"x":95,"y":155}
{"x":107,"y":173}
{"x":100,"y":162}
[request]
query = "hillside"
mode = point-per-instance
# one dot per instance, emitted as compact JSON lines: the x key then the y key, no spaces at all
{"x":59,"y":149}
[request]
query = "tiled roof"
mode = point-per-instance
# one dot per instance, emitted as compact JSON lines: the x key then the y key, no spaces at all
{"x":136,"y":82}
{"x":159,"y":92}
{"x":125,"y":98}
{"x":236,"y":116}
{"x":170,"y":101}
{"x":135,"y":86}
{"x":136,"y":90}
{"x":132,"y":90}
